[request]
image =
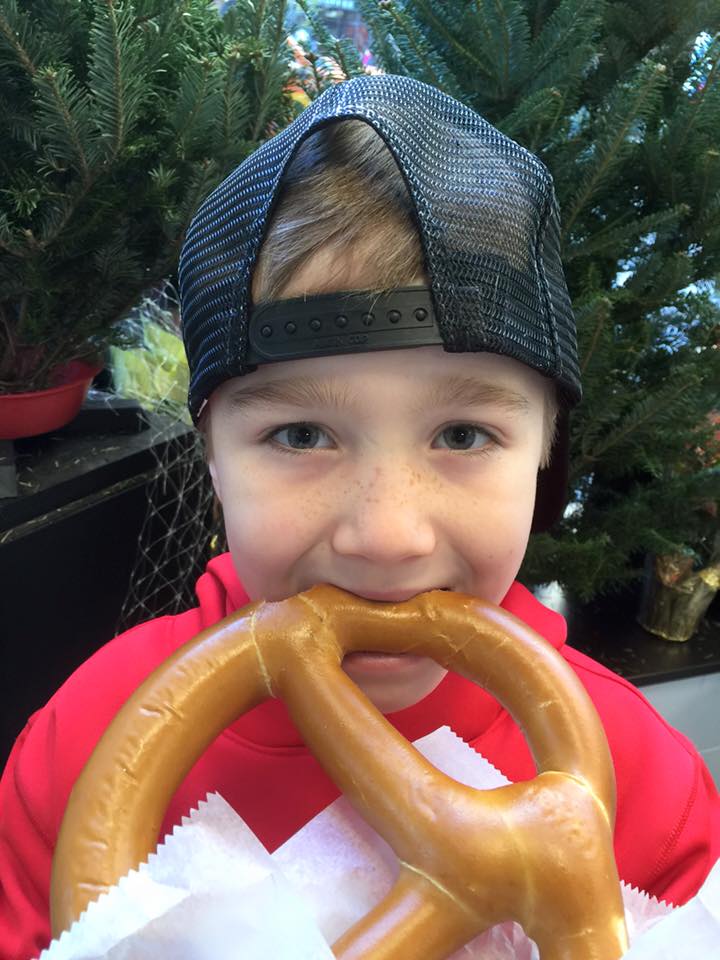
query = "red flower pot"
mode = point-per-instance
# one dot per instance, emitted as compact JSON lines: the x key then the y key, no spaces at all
{"x":29,"y":414}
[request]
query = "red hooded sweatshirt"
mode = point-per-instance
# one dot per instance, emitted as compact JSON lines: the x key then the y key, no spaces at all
{"x":667,"y":833}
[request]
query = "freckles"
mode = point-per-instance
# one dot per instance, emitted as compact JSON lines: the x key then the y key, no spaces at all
{"x":315,"y":503}
{"x":417,"y":478}
{"x":297,"y":514}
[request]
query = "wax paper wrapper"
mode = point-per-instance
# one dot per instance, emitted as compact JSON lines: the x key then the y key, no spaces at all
{"x":212,"y":892}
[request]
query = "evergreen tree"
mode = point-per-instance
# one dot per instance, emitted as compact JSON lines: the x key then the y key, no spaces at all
{"x":116,"y":119}
{"x":621,"y":100}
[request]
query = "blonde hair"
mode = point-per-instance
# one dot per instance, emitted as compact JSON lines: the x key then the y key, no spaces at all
{"x":343,"y":192}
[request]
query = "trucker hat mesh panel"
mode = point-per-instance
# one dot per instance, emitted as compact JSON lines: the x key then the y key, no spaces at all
{"x":488,"y":226}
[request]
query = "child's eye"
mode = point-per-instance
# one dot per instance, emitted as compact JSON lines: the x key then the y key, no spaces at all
{"x":305,"y":433}
{"x":302,"y":433}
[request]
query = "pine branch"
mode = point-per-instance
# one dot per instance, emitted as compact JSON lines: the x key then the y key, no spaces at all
{"x":18,"y":34}
{"x":504,"y":25}
{"x":466,"y":53}
{"x":116,"y":80}
{"x":270,"y":76}
{"x":592,"y":424}
{"x":696,"y":109}
{"x":55,"y":216}
{"x":50,"y":361}
{"x":64,"y":112}
{"x":99,"y":200}
{"x":618,"y":234}
{"x":190,"y":112}
{"x":376,"y":17}
{"x":610,"y":148}
{"x":657,"y":406}
{"x":506,"y":44}
{"x":422,"y":64}
{"x":235,"y":108}
{"x":6,"y":237}
{"x":708,"y":221}
{"x":569,"y":27}
{"x":170,"y":34}
{"x":569,"y":71}
{"x":700,"y":97}
{"x":534,"y":117}
{"x":658,"y":277}
{"x":539,"y":15}
{"x":344,"y":53}
{"x":577,"y":558}
{"x":203,"y":177}
{"x":320,"y":32}
{"x":19,"y":126}
{"x":601,"y":309}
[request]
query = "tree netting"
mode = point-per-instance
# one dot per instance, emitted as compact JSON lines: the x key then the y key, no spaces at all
{"x":182,"y":528}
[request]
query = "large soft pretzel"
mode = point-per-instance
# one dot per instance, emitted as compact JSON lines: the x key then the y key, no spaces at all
{"x":539,"y":852}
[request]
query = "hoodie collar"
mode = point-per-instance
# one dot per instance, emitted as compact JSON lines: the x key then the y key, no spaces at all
{"x":456,"y":702}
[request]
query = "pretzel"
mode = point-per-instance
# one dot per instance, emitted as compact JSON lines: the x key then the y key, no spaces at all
{"x":539,"y":852}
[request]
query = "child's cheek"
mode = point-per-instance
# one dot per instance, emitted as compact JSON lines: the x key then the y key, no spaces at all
{"x":272,"y":525}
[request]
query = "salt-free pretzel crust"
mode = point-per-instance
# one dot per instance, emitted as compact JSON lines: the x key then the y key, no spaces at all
{"x":539,"y":852}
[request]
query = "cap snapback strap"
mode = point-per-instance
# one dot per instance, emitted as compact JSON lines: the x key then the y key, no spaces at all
{"x":346,"y":322}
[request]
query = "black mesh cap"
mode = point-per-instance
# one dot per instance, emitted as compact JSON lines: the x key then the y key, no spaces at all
{"x":489,"y":229}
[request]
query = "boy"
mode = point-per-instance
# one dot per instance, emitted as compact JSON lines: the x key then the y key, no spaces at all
{"x":382,"y":358}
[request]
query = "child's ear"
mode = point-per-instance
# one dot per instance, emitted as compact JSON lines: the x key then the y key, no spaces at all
{"x":214,"y":477}
{"x":205,"y":431}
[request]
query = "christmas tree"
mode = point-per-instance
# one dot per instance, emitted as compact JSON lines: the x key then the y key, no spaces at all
{"x":116,"y":119}
{"x":622,"y":103}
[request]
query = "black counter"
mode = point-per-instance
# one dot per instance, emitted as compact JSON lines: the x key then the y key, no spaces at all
{"x":68,"y":546}
{"x":61,"y":468}
{"x":607,"y":631}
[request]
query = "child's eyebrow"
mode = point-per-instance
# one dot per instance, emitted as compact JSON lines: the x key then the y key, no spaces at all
{"x":310,"y":392}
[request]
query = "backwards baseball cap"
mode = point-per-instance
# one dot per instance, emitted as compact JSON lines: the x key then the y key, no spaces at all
{"x":489,"y":228}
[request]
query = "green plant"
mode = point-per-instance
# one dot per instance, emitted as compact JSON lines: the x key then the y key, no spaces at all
{"x":116,"y":119}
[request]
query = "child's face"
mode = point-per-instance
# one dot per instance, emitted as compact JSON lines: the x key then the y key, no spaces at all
{"x":389,"y":494}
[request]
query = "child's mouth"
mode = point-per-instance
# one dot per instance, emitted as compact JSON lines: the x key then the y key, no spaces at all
{"x":367,"y":662}
{"x":397,"y":596}
{"x":372,"y":662}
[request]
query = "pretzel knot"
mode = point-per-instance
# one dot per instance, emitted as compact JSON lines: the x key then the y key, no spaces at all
{"x":539,"y":852}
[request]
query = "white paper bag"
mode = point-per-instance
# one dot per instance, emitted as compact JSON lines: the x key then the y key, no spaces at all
{"x":212,"y":892}
{"x":210,"y":887}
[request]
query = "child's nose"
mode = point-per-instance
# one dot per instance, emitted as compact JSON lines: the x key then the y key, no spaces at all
{"x":387,"y":520}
